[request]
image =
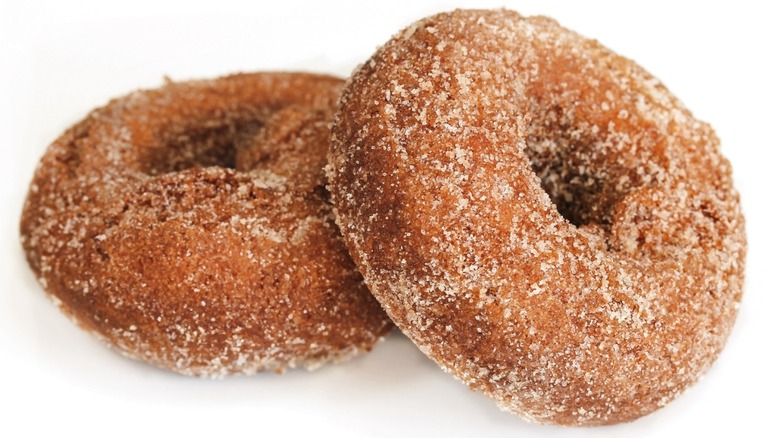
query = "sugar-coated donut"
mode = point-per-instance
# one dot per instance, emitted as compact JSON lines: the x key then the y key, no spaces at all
{"x":539,"y":215}
{"x":188,"y":227}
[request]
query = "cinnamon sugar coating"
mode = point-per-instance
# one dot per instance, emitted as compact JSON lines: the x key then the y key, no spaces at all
{"x":539,"y":215}
{"x":188,"y":227}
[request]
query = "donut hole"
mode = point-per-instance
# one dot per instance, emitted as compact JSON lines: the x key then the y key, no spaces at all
{"x":279,"y":141}
{"x":576,"y":180}
{"x":207,"y":145}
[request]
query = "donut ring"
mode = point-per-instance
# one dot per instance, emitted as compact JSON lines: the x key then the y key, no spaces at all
{"x":539,"y":215}
{"x":188,"y":227}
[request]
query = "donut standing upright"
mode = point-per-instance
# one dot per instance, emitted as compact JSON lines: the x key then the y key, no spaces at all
{"x":188,"y":227}
{"x":541,"y":216}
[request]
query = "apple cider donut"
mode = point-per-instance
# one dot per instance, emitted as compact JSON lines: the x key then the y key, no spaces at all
{"x":188,"y":227}
{"x":539,"y":215}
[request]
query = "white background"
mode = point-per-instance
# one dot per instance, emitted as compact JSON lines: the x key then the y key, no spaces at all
{"x":59,"y":60}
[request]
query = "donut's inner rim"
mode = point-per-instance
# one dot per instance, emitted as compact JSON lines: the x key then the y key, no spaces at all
{"x":213,"y":143}
{"x":581,"y":194}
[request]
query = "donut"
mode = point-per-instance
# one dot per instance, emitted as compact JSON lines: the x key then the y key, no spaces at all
{"x":541,"y":216}
{"x":189,"y":227}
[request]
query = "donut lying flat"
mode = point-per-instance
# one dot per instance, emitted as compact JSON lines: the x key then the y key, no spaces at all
{"x":539,"y":215}
{"x":188,"y":227}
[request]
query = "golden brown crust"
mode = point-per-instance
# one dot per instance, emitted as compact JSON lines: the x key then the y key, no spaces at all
{"x":539,"y":215}
{"x":139,"y":225}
